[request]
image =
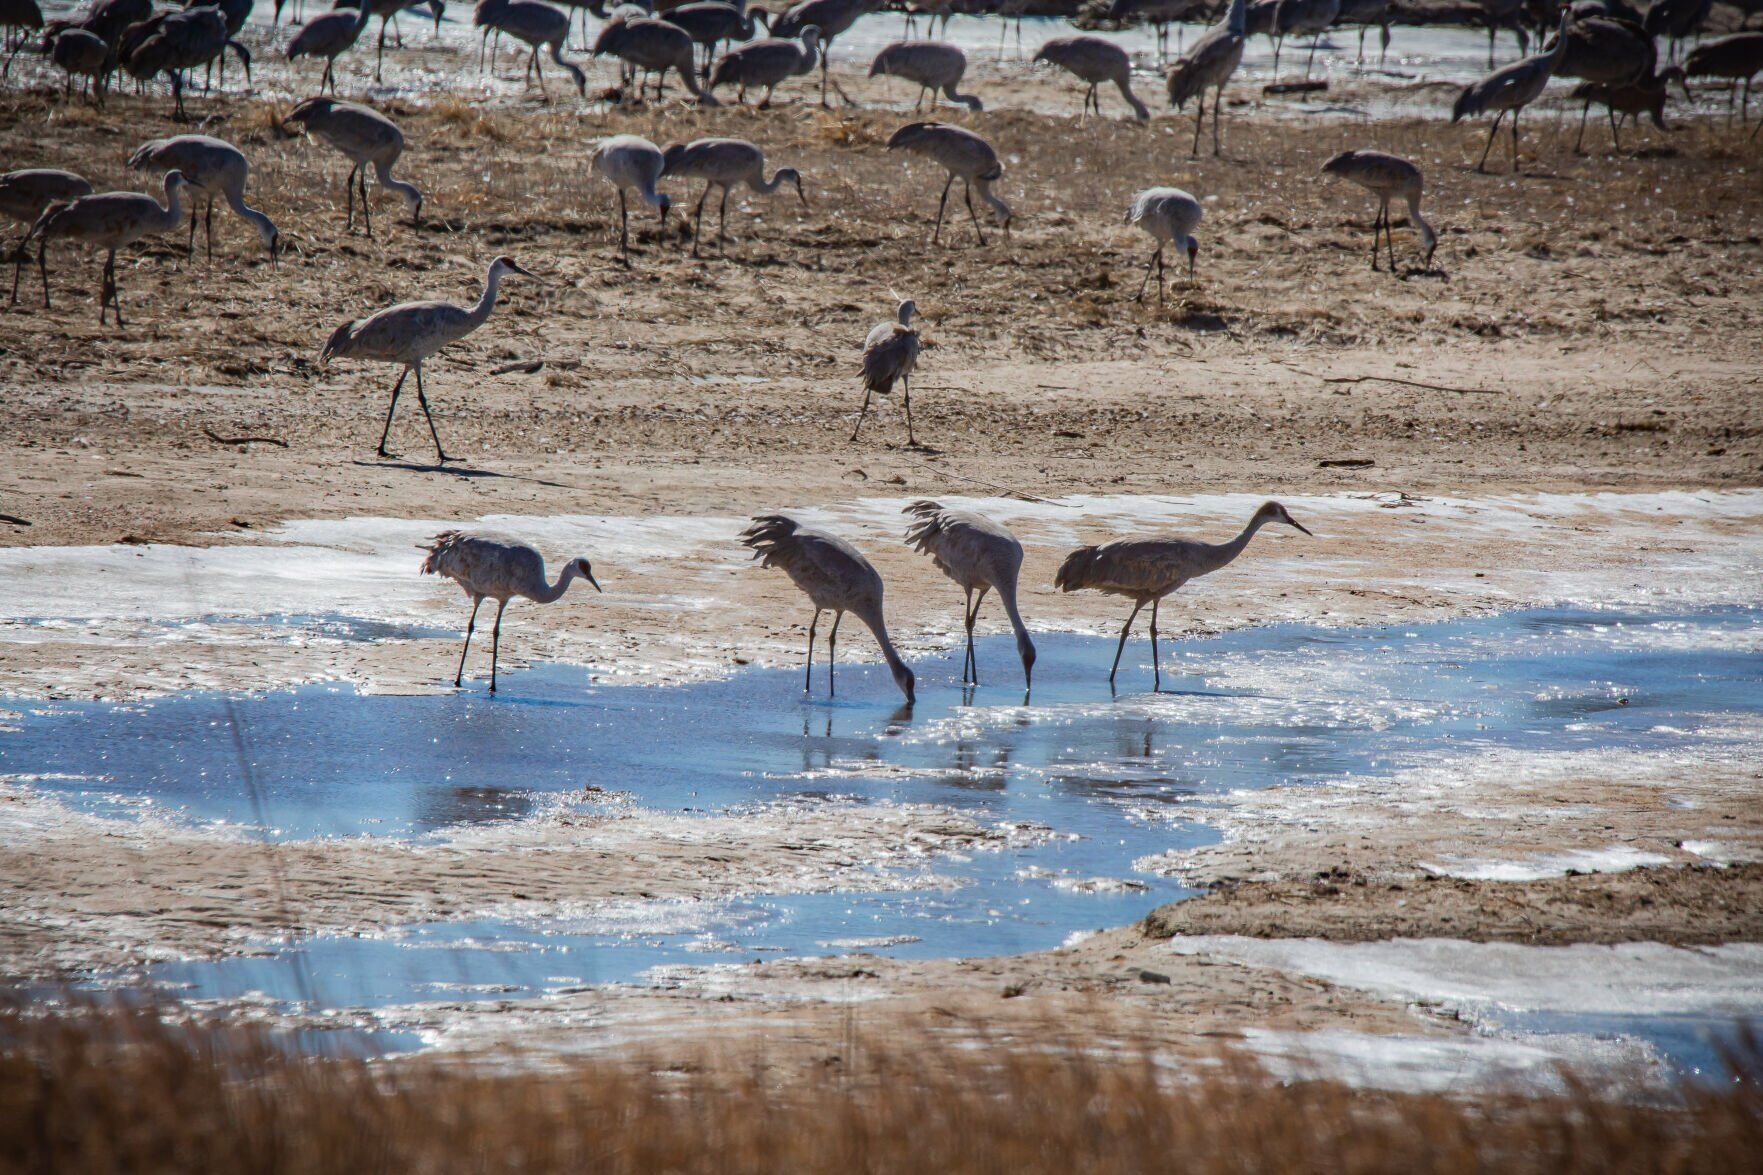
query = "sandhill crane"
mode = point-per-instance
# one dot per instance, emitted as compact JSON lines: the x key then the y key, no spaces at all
{"x":1007,"y":11}
{"x":329,"y":36}
{"x":964,"y":155}
{"x":1146,"y":570}
{"x":1094,"y":61}
{"x":934,"y":65}
{"x":1209,"y":66}
{"x":1365,"y":13}
{"x":109,"y":220}
{"x":24,"y":195}
{"x":235,"y":13}
{"x":363,"y":137}
{"x":387,"y":11}
{"x":1738,"y":57}
{"x":1606,"y":50}
{"x":1158,"y":13}
{"x":85,"y":53}
{"x":1511,"y":88}
{"x":534,"y":24}
{"x":1632,"y":100}
{"x":1675,"y":19}
{"x":658,"y":46}
{"x":890,"y":352}
{"x":20,"y":18}
{"x":411,"y":332}
{"x":723,"y":163}
{"x":835,"y":577}
{"x":767,"y":62}
{"x":1295,"y":18}
{"x":932,"y":11}
{"x":711,"y":22}
{"x":980,"y":555}
{"x":1386,"y":177}
{"x":182,"y":41}
{"x":1170,"y":216}
{"x":213,"y":167}
{"x":1261,"y":18}
{"x":1504,"y":14}
{"x":496,"y":567}
{"x":832,"y":18}
{"x":630,"y":161}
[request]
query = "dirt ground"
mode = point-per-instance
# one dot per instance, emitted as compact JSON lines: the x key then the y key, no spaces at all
{"x":1590,"y":324}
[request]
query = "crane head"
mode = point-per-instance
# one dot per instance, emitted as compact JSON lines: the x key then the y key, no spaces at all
{"x":1274,"y":512}
{"x":510,"y":265}
{"x":908,"y":684}
{"x":586,"y":572}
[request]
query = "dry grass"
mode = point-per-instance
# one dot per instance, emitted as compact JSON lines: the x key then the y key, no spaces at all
{"x":125,"y":1091}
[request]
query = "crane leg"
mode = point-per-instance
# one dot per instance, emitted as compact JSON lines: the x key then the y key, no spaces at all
{"x":973,"y":617}
{"x":860,"y":415}
{"x":1482,"y":165}
{"x":1119,"y":648}
{"x":1217,"y":109}
{"x":495,"y":632}
{"x":328,"y":79}
{"x":1377,"y":227}
{"x":440,"y":453}
{"x":1277,"y":42}
{"x":624,"y":238}
{"x":18,"y":263}
{"x":43,"y":270}
{"x":936,"y":237}
{"x":808,"y":677}
{"x":1150,"y":267}
{"x":379,"y":53}
{"x":1515,"y":114}
{"x":698,"y":220}
{"x":391,"y":408}
{"x":1584,"y":113}
{"x":967,"y":621}
{"x":967,"y":192}
{"x":349,"y":187}
{"x":208,"y":229}
{"x":190,"y":244}
{"x":906,"y":385}
{"x":832,"y":654}
{"x":1389,"y":237}
{"x":1156,"y":668}
{"x":1199,"y":124}
{"x":1311,"y":60}
{"x":366,"y":208}
{"x":722,"y":225}
{"x":470,"y":626}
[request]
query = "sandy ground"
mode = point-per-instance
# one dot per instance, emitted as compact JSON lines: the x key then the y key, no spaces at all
{"x":1592,"y":325}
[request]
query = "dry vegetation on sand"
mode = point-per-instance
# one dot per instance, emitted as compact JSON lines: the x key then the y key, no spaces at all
{"x":122,"y":1091}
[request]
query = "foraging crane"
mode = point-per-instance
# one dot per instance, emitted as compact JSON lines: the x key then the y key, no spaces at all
{"x":767,"y":63}
{"x":1302,"y":18}
{"x":723,"y":163}
{"x":85,"y":53}
{"x":496,"y":567}
{"x":963,"y":154}
{"x":180,"y":42}
{"x":1504,"y":14}
{"x":411,"y":332}
{"x":711,"y":22}
{"x":835,"y":577}
{"x":1364,"y":14}
{"x":20,"y":18}
{"x":363,"y":137}
{"x":213,"y":167}
{"x":1146,"y":570}
{"x":1094,"y":61}
{"x":980,"y":555}
{"x":934,"y":65}
{"x":832,"y":18}
{"x":24,"y":195}
{"x":1631,"y":101}
{"x":1511,"y":88}
{"x":1675,"y":20}
{"x":658,"y":46}
{"x":630,"y":161}
{"x":534,"y":24}
{"x":1387,"y":177}
{"x":1209,"y":66}
{"x":1738,"y":57}
{"x":387,"y":11}
{"x":889,"y":355}
{"x":1170,"y":216}
{"x":1609,"y":51}
{"x":111,"y":221}
{"x":329,"y":36}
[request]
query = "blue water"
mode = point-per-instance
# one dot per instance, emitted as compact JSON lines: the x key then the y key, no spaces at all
{"x":1117,"y":776}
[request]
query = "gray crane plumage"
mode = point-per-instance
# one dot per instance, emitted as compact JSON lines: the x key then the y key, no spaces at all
{"x":711,"y":22}
{"x":214,"y":167}
{"x":364,"y":137}
{"x":24,"y":196}
{"x":1145,"y":570}
{"x":329,"y":36}
{"x":890,"y":352}
{"x":83,"y":52}
{"x":20,"y":18}
{"x":1364,"y":14}
{"x":534,"y":25}
{"x":181,"y":41}
{"x":1511,"y":89}
{"x":110,"y":221}
{"x":1170,"y":216}
{"x":980,"y":555}
{"x":411,"y":332}
{"x":1309,"y":18}
{"x":934,"y":65}
{"x":657,"y":46}
{"x":1606,"y":50}
{"x":496,"y":567}
{"x":1387,"y":177}
{"x":833,"y":18}
{"x":387,"y":11}
{"x":1504,"y":14}
{"x":724,"y":163}
{"x":768,"y":62}
{"x":1160,"y":13}
{"x":835,"y":577}
{"x":1738,"y":57}
{"x":963,"y":155}
{"x":631,"y":161}
{"x":1094,"y":61}
{"x":1646,"y":96}
{"x":1208,"y":66}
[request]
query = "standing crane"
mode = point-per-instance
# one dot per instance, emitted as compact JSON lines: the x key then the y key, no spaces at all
{"x":1504,"y":14}
{"x":1365,"y":13}
{"x":889,"y":355}
{"x":723,"y":163}
{"x":934,"y":65}
{"x":387,"y":11}
{"x":411,"y":332}
{"x":1631,"y":101}
{"x":835,"y":577}
{"x":534,"y":24}
{"x":1146,"y":570}
{"x":1094,"y":61}
{"x":962,"y":154}
{"x":496,"y":567}
{"x":980,"y":555}
{"x":1302,"y":18}
{"x":1738,"y":57}
{"x":85,"y":53}
{"x":711,"y":22}
{"x":111,"y":221}
{"x":1511,"y":88}
{"x":1160,"y":13}
{"x":180,"y":42}
{"x":363,"y":137}
{"x":1170,"y":216}
{"x":631,"y":161}
{"x":329,"y":35}
{"x":1386,"y":177}
{"x":214,"y":167}
{"x":1675,"y":20}
{"x":767,"y":63}
{"x":833,"y":18}
{"x":24,"y":196}
{"x":1608,"y":51}
{"x":20,"y":18}
{"x":1209,"y":66}
{"x":657,"y":46}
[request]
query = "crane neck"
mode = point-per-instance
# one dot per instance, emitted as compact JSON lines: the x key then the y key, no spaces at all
{"x":571,"y":571}
{"x":1024,"y":644}
{"x":1224,"y":553}
{"x":478,"y":314}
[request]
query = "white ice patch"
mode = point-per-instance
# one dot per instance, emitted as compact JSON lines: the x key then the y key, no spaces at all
{"x":1614,"y":859}
{"x":1723,"y":852}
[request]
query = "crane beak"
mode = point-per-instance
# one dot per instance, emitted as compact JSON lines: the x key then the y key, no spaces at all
{"x":1300,"y":526}
{"x":595,"y":582}
{"x":521,"y":269}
